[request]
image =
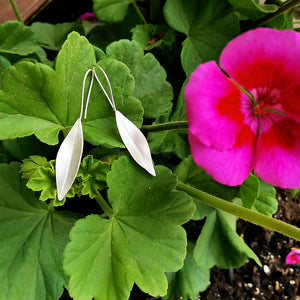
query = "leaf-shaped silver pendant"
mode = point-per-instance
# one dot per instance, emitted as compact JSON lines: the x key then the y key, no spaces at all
{"x":70,"y":152}
{"x":135,"y":142}
{"x":68,"y":159}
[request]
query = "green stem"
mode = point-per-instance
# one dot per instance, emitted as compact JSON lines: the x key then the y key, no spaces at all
{"x":241,"y":212}
{"x":16,"y":11}
{"x":165,"y":126}
{"x":139,"y":12}
{"x":282,"y":9}
{"x":243,"y":90}
{"x":103,"y":204}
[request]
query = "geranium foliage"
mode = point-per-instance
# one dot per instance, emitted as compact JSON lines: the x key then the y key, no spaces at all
{"x":118,"y":227}
{"x":112,"y":258}
{"x":33,"y":239}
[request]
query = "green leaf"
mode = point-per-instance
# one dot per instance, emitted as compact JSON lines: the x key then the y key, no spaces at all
{"x":171,"y":141}
{"x":22,"y":148}
{"x":294,"y":192}
{"x":26,"y":86}
{"x":72,"y":62}
{"x":93,"y":175}
{"x":249,"y":191}
{"x":87,"y":26}
{"x":252,"y":9}
{"x":150,"y":36}
{"x":111,"y":10}
{"x":266,"y":203}
{"x":52,"y":36}
{"x":107,"y":155}
{"x":92,"y":261}
{"x":17,"y":39}
{"x":30,"y":166}
{"x":220,"y":245}
{"x":258,"y":195}
{"x":209,"y":26}
{"x":38,"y":100}
{"x":141,"y":241}
{"x":188,"y":172}
{"x":4,"y":63}
{"x":99,"y":54}
{"x":41,"y":178}
{"x":102,"y":36}
{"x":151,"y":86}
{"x":168,"y":141}
{"x":45,"y":182}
{"x":33,"y":239}
{"x":189,"y":281}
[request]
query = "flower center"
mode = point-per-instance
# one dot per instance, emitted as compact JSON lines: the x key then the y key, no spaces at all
{"x":266,"y":100}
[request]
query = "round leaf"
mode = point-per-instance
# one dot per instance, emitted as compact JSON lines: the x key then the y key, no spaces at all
{"x":33,"y":239}
{"x":111,"y":10}
{"x":209,"y":25}
{"x":141,"y":241}
{"x":151,"y":86}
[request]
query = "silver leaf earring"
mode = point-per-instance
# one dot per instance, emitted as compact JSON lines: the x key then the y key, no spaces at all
{"x":70,"y":152}
{"x":132,"y":137}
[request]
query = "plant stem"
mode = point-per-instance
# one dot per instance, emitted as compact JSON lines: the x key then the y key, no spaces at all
{"x":104,"y":205}
{"x":165,"y":126}
{"x":139,"y":12}
{"x":241,"y":212}
{"x":16,"y":11}
{"x":282,"y":9}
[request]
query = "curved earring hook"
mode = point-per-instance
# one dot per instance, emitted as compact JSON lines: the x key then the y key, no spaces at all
{"x":89,"y":93}
{"x":110,"y":100}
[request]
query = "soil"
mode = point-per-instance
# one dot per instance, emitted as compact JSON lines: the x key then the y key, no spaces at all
{"x":275,"y":280}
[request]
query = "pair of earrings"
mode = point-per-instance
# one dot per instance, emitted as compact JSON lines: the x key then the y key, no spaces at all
{"x":70,"y":152}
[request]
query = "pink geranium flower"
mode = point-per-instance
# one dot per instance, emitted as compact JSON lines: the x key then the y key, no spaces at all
{"x":89,"y":16}
{"x":293,"y":257}
{"x":251,"y":119}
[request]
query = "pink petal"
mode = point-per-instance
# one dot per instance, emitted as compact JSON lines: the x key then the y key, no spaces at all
{"x":263,"y":57}
{"x":278,"y":153}
{"x":89,"y":16}
{"x":213,"y":107}
{"x":231,"y":166}
{"x":293,"y":257}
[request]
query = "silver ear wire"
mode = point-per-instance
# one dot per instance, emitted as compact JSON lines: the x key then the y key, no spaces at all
{"x":110,"y":100}
{"x":82,"y":93}
{"x":70,"y":151}
{"x":89,"y":93}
